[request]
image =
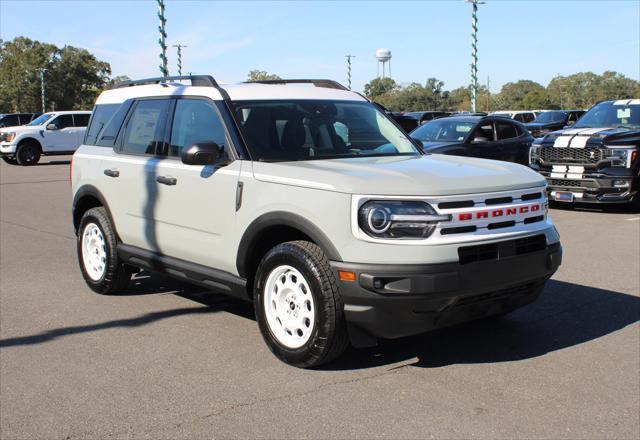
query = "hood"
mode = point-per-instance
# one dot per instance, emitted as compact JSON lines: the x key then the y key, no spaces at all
{"x":581,"y":137}
{"x":434,"y":145}
{"x":429,"y":175}
{"x":19,"y":128}
{"x":542,"y":125}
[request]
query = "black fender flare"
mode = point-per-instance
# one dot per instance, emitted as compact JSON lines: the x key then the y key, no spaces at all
{"x":281,"y":218}
{"x":90,"y":191}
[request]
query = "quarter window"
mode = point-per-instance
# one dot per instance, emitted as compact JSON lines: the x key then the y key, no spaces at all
{"x":144,"y":129}
{"x":195,"y":120}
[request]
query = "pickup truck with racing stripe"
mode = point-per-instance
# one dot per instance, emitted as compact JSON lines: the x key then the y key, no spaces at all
{"x":596,"y":160}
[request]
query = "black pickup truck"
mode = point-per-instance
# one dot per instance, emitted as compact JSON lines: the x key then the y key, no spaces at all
{"x":596,"y":160}
{"x":552,"y":120}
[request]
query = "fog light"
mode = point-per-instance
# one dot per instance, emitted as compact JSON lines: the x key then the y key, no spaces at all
{"x":620,"y":183}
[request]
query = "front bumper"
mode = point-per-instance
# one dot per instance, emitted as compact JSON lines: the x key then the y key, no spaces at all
{"x":392,"y":301}
{"x":7,"y":149}
{"x":595,"y":188}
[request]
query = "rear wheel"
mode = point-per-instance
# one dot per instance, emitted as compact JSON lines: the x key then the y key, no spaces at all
{"x":298,"y":306}
{"x":28,"y":153}
{"x":10,"y":160}
{"x":97,"y":253}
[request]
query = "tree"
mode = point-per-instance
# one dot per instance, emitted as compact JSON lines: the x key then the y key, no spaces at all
{"x":537,"y":100}
{"x":379,"y":86}
{"x":261,"y":75}
{"x":74,"y":76}
{"x":512,"y":94}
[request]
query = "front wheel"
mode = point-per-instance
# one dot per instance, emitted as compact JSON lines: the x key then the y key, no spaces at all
{"x":28,"y":153}
{"x":97,"y":253}
{"x":298,"y":306}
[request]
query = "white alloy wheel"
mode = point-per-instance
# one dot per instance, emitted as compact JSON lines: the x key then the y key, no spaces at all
{"x":94,"y":252}
{"x":289,"y":306}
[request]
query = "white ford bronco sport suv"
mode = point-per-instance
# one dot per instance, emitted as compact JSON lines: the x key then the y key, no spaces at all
{"x":52,"y":133}
{"x":306,"y":199}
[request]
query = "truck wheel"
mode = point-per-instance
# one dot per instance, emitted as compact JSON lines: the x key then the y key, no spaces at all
{"x":298,"y":306}
{"x":10,"y":160}
{"x":28,"y":153}
{"x":635,"y":203}
{"x":96,"y":245}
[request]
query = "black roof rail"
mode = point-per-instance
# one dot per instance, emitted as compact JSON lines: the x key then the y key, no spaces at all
{"x":196,"y":80}
{"x":326,"y":83}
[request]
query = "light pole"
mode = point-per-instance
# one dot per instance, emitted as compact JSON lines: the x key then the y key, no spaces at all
{"x":162,"y":39}
{"x":42,"y":72}
{"x":179,"y":47}
{"x":474,"y":51}
{"x":349,"y":69}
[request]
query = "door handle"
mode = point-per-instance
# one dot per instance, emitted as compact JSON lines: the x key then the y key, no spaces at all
{"x":112,"y":172}
{"x":166,"y":180}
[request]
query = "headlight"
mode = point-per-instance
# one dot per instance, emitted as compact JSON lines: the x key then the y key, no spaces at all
{"x":398,"y":219}
{"x":534,"y":154}
{"x":7,"y":136}
{"x":620,"y":157}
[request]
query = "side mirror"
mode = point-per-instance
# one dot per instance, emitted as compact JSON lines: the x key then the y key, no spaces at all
{"x":570,"y":123}
{"x":52,"y":127}
{"x":201,"y":153}
{"x":479,"y":140}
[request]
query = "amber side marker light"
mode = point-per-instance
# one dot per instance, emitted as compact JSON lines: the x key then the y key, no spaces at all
{"x":346,"y":276}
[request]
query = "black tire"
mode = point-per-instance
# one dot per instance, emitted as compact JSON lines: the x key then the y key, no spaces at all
{"x":28,"y":153}
{"x":634,"y":205}
{"x":115,"y":276}
{"x":10,"y":160}
{"x":328,"y":338}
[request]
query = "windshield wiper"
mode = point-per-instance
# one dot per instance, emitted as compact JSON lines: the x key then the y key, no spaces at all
{"x":630,"y":127}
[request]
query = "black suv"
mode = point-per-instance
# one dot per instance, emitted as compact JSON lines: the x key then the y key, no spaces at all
{"x":597,"y":159}
{"x":15,"y":119}
{"x":487,"y":137}
{"x":552,"y":120}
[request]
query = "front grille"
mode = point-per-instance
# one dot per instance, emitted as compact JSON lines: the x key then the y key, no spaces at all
{"x":565,"y":182}
{"x":503,"y":249}
{"x":570,"y":155}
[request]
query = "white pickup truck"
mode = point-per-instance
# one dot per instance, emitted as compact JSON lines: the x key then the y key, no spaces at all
{"x":52,"y":133}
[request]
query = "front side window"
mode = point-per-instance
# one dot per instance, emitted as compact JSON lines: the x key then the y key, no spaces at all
{"x":506,"y":131}
{"x":102,"y":113}
{"x":144,"y":130}
{"x":318,"y":129}
{"x":443,"y":130}
{"x":62,"y":121}
{"x":195,"y":120}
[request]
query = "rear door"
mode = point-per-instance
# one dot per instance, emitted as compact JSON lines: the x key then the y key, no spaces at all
{"x":482,"y":141}
{"x":513,"y":142}
{"x":196,"y":207}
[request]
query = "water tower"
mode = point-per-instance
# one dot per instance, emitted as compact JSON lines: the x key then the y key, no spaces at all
{"x":383,"y":56}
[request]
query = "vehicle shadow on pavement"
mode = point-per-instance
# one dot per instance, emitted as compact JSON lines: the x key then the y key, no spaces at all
{"x":610,"y":208}
{"x":565,"y":315}
{"x":55,"y":162}
{"x":146,"y":284}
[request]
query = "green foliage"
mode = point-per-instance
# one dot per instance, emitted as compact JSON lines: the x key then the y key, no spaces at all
{"x":73,"y":80}
{"x":261,"y":75}
{"x":379,"y":86}
{"x":580,"y":90}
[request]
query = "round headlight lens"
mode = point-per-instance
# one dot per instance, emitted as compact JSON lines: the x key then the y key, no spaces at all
{"x":378,"y":219}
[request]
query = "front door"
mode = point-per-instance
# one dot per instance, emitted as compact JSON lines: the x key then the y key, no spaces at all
{"x":60,"y":135}
{"x":195,"y":213}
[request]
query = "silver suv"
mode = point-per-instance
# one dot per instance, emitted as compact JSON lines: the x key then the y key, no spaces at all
{"x":306,"y":199}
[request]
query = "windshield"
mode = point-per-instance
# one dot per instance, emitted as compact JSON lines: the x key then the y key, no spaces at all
{"x":612,"y":114}
{"x":443,"y":130}
{"x":41,"y":119}
{"x":314,"y":129}
{"x":547,"y":117}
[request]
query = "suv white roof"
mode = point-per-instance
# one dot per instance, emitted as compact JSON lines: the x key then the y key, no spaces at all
{"x":69,"y":112}
{"x":236,"y":92}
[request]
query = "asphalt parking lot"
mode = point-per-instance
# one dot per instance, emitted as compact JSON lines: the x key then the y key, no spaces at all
{"x":167,"y":360}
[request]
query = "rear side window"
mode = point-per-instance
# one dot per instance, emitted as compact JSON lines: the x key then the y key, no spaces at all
{"x":195,"y":120}
{"x":505,"y":130}
{"x":528,"y":117}
{"x":81,"y":120}
{"x":145,"y":129}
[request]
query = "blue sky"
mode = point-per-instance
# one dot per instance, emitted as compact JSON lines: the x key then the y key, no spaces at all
{"x":534,"y":40}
